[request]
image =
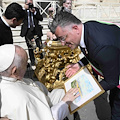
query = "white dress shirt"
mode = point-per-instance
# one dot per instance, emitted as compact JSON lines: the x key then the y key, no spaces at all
{"x":82,"y":43}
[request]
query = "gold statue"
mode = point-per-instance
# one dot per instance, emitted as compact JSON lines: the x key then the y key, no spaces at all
{"x":50,"y":70}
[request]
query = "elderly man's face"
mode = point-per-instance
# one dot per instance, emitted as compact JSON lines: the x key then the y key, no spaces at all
{"x":68,"y":36}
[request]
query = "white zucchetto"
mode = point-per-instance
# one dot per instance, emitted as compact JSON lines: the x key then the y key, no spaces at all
{"x":7,"y":53}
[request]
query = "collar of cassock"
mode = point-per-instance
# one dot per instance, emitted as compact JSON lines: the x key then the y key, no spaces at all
{"x":8,"y":79}
{"x":23,"y":81}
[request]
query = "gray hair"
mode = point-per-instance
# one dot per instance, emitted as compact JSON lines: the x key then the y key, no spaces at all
{"x":63,"y":19}
{"x":25,"y":1}
{"x":17,"y":61}
{"x":64,"y":1}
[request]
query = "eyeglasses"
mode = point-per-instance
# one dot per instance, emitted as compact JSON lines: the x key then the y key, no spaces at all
{"x":63,"y":38}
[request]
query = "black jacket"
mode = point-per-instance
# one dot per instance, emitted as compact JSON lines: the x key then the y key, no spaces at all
{"x":103,"y":45}
{"x":38,"y":28}
{"x":5,"y":34}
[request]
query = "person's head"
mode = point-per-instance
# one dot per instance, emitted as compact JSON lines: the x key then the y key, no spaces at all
{"x":28,"y":4}
{"x":67,"y":4}
{"x":67,"y":28}
{"x":14,"y":14}
{"x":50,"y":12}
{"x":13,"y":61}
{"x":29,"y":1}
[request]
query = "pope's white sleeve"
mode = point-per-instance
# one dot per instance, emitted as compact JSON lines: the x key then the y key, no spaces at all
{"x":60,"y":110}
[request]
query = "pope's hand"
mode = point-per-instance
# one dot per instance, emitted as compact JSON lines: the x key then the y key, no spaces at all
{"x":71,"y":95}
{"x":72,"y":69}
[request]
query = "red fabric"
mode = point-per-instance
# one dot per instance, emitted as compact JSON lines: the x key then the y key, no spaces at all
{"x":97,"y":72}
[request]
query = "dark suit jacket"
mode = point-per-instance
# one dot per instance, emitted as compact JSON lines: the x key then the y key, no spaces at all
{"x":103,"y":45}
{"x":5,"y":33}
{"x":36,"y":18}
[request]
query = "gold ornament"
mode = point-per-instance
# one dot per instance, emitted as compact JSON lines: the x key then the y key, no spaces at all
{"x":50,"y":70}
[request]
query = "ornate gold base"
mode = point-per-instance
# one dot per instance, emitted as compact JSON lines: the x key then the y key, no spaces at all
{"x":51,"y":69}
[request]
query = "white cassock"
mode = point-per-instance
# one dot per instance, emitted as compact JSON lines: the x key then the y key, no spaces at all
{"x":24,"y":100}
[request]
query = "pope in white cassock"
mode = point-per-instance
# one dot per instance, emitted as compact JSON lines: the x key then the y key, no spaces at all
{"x":23,"y":99}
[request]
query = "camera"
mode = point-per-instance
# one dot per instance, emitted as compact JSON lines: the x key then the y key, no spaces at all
{"x":30,"y":6}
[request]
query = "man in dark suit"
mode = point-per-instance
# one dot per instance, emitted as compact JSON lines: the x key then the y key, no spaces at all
{"x":101,"y":43}
{"x":31,"y":27}
{"x":12,"y":17}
